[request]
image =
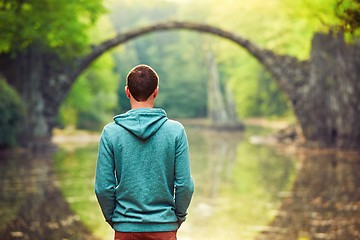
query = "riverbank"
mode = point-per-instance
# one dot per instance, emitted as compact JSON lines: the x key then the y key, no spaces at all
{"x":70,"y":138}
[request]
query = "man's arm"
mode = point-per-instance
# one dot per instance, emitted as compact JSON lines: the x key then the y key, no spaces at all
{"x":184,"y":185}
{"x":105,"y":180}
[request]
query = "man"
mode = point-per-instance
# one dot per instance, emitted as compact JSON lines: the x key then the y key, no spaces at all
{"x":143,"y":182}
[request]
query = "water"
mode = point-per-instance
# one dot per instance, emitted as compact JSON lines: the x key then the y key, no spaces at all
{"x":325,"y":200}
{"x":31,"y":204}
{"x":243,"y":191}
{"x":237,"y":185}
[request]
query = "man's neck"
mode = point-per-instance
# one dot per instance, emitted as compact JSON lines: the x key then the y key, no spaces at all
{"x":146,"y":104}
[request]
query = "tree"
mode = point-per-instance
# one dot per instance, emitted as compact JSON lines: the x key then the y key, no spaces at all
{"x":349,"y":14}
{"x":178,"y":57}
{"x":40,"y":41}
{"x":54,"y":26}
{"x":91,"y":101}
{"x":285,"y":27}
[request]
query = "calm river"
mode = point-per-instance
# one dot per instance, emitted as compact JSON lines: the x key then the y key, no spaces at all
{"x":243,"y":191}
{"x":239,"y":186}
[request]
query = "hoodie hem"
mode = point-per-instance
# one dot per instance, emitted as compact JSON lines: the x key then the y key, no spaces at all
{"x":146,"y":227}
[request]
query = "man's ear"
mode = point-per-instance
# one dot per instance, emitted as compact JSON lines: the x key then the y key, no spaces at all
{"x":127,"y":92}
{"x":156,"y":91}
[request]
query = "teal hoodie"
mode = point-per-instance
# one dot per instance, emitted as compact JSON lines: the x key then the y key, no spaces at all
{"x":143,"y":181}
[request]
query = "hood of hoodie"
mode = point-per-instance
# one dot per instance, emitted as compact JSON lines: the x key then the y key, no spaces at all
{"x":142,"y":122}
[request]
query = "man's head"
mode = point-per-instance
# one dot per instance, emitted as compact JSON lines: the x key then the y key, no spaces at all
{"x":142,"y":81}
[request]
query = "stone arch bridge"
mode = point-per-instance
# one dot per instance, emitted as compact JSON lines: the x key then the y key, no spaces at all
{"x":324,"y":90}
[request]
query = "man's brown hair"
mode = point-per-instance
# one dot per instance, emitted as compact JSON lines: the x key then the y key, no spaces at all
{"x":142,"y":81}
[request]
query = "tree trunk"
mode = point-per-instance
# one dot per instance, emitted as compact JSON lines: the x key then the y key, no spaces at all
{"x":42,"y":86}
{"x":221,"y":107}
{"x":216,"y":104}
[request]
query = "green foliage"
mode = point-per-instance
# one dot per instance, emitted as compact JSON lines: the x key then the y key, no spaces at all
{"x":58,"y":25}
{"x":284,"y":26}
{"x":183,"y":70}
{"x":12,"y":113}
{"x":349,"y":14}
{"x":92,"y":99}
{"x":262,"y":96}
{"x":65,"y":27}
{"x":178,"y":58}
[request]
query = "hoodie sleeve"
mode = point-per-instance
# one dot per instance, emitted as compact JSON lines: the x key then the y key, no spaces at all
{"x":105,"y":180}
{"x":184,"y":185}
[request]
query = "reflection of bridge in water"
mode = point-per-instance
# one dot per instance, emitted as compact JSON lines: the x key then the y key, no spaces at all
{"x":325,"y":201}
{"x":31,"y":204}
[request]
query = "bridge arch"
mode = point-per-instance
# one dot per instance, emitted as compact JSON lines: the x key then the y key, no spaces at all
{"x":277,"y":65}
{"x":317,"y":88}
{"x":285,"y":69}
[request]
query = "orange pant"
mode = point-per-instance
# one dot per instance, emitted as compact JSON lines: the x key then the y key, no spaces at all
{"x":145,"y":235}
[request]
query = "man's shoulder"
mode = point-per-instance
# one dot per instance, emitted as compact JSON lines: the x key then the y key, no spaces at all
{"x":111,"y":127}
{"x":173,"y":128}
{"x":174,"y":124}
